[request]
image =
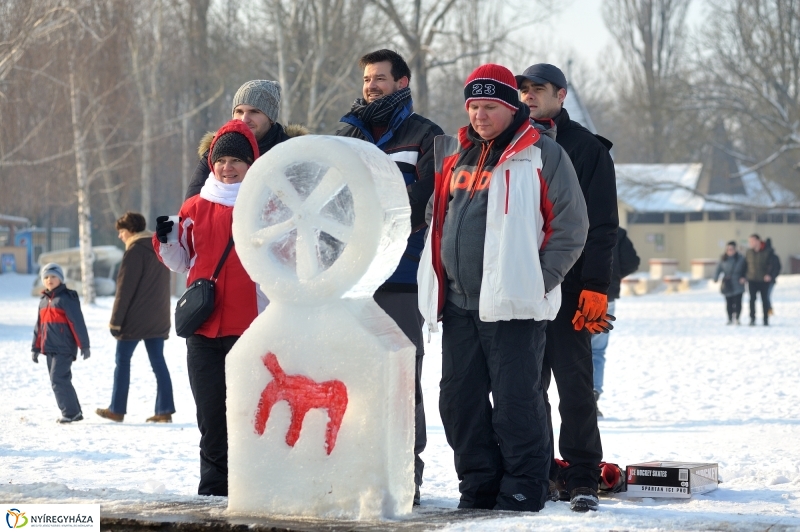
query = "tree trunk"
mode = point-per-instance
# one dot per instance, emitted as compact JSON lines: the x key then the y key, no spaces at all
{"x":113,"y":204}
{"x":84,"y":207}
{"x":283,"y":53}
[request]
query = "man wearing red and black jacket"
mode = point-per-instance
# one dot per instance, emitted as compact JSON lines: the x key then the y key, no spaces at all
{"x":568,"y":352}
{"x":507,"y":221}
{"x":385,"y":117}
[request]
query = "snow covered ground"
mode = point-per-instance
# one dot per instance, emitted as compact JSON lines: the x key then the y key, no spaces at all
{"x":680,"y":385}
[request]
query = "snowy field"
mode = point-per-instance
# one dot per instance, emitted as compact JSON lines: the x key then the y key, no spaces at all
{"x":680,"y":385}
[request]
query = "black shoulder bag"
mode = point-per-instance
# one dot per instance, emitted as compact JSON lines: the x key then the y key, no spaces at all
{"x":197,"y":302}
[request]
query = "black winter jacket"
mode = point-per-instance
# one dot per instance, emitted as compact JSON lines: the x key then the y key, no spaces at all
{"x":625,"y":262}
{"x":408,"y":141}
{"x":60,"y":329}
{"x":592,"y":161}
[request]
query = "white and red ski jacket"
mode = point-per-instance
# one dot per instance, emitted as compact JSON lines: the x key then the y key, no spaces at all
{"x":536,"y":226}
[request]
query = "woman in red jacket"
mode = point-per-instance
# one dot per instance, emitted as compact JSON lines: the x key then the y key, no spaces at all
{"x":204,"y":231}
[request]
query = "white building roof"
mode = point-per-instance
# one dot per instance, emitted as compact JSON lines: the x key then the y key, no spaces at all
{"x":669,"y":188}
{"x":577,"y":111}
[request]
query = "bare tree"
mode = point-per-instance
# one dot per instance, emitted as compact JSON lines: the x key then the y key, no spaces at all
{"x":651,"y":37}
{"x":418,"y":23}
{"x":145,"y":76}
{"x":317,"y":46}
{"x":752,"y":79}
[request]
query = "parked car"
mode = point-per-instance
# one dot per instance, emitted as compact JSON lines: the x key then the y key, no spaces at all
{"x":106,"y":266}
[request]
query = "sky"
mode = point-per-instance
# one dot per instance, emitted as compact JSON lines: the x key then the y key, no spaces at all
{"x":679,"y":385}
{"x":577,"y":30}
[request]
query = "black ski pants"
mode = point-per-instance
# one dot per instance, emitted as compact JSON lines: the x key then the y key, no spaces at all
{"x":759,"y":287}
{"x":733,"y":304}
{"x":568,"y":354}
{"x":501,"y":448}
{"x":403,"y":308}
{"x":205,"y":362}
{"x":59,"y":367}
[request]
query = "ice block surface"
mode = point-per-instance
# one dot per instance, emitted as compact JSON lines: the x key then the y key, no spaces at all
{"x":320,"y":388}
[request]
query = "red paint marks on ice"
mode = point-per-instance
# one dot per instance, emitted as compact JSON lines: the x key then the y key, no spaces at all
{"x":302,"y":394}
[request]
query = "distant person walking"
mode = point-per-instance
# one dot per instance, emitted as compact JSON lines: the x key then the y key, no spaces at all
{"x":60,"y":331}
{"x":760,"y":274}
{"x":141,"y":312}
{"x":732,"y":266}
{"x":624,"y":262}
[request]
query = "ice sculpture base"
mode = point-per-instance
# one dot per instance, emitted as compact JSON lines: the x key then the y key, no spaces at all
{"x":369,"y":472}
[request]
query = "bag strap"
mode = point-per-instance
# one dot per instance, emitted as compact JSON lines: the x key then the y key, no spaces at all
{"x":222,"y":260}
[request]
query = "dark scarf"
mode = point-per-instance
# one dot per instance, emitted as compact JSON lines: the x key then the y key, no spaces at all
{"x":381,"y":110}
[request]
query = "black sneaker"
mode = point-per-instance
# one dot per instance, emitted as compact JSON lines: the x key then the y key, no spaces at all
{"x":752,"y":322}
{"x":583,"y":500}
{"x":76,"y":417}
{"x":416,"y":494}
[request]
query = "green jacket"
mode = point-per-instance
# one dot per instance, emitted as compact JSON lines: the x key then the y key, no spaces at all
{"x":760,"y":263}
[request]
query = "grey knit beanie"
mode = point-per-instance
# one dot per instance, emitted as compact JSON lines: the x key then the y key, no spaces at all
{"x":52,"y":269}
{"x":262,"y":94}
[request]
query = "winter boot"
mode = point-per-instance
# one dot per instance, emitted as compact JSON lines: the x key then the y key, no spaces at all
{"x":108,"y":414}
{"x":66,"y":419}
{"x":583,"y":500}
{"x":160,"y":418}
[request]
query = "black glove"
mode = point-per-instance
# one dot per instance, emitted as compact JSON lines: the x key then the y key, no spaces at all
{"x":116,"y":333}
{"x":163,"y":228}
{"x":601,"y":325}
{"x":35,"y":356}
{"x":85,"y":353}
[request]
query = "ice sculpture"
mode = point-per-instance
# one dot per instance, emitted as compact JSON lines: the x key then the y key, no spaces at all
{"x":321,"y":386}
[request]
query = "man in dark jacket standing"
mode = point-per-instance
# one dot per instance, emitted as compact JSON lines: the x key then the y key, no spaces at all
{"x":385,"y":117}
{"x":625,"y":262}
{"x":568,"y":351}
{"x":761,"y":271}
{"x":257,"y":103}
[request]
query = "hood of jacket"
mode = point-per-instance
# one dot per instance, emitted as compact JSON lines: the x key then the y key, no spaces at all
{"x":292,"y":130}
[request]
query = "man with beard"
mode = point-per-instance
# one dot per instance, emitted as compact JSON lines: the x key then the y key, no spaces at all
{"x":385,"y":117}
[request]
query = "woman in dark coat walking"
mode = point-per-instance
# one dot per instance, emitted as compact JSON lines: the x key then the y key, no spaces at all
{"x":732,"y":267}
{"x":141,"y":312}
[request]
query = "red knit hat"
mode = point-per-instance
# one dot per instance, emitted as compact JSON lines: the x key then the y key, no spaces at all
{"x":492,"y":82}
{"x":238,"y":141}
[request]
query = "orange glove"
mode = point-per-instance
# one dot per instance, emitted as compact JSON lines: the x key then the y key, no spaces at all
{"x":578,"y":321}
{"x":603,"y":325}
{"x":592,"y":304}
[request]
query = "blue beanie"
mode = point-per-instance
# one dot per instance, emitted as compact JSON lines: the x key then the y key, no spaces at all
{"x":52,"y":269}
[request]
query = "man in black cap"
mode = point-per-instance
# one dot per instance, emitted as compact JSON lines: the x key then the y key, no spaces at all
{"x":568,"y":350}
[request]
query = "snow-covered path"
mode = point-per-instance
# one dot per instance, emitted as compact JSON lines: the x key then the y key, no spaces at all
{"x":680,"y":385}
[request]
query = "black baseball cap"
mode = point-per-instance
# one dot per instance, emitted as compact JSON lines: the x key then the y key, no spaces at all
{"x":543,"y":73}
